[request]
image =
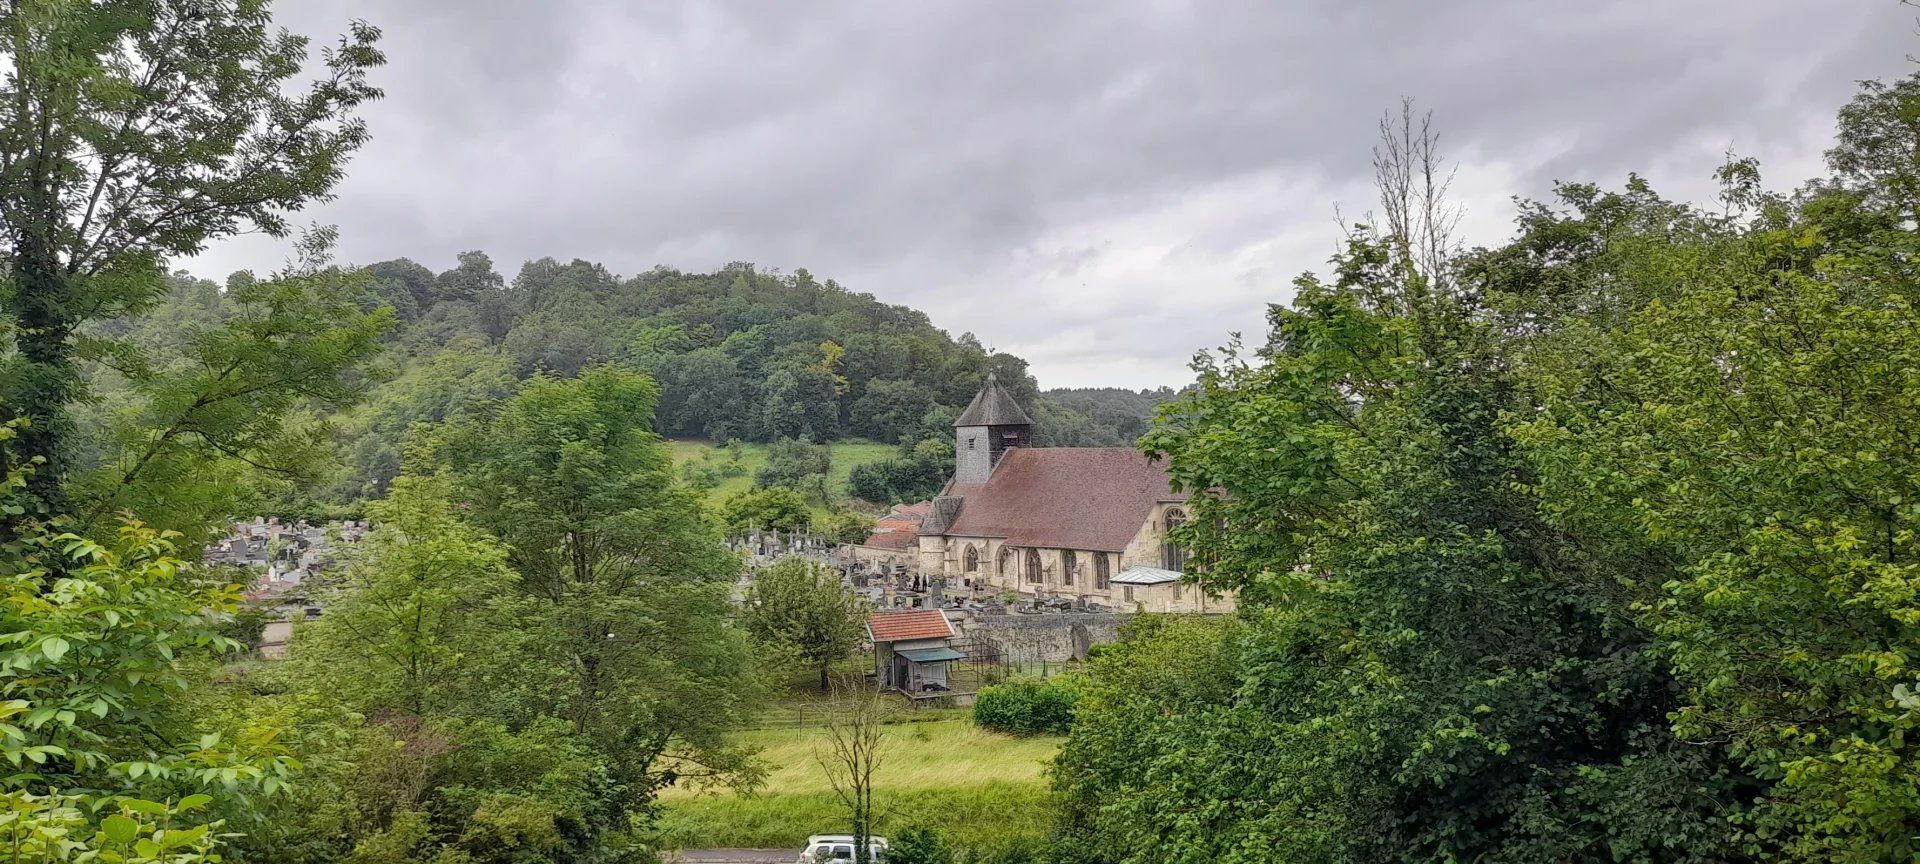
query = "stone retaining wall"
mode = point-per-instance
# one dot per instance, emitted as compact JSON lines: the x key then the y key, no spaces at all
{"x":1052,"y":637}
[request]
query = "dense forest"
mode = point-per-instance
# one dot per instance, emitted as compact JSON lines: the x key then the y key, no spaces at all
{"x":1596,"y":544}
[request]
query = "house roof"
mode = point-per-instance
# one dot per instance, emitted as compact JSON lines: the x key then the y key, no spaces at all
{"x":1142,"y":575}
{"x":993,"y":406}
{"x":903,"y":539}
{"x":900,"y":528}
{"x":902,"y":624}
{"x":915,"y":511}
{"x":1093,"y":498}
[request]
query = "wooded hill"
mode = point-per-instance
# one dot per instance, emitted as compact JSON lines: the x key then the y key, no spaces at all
{"x":739,"y":353}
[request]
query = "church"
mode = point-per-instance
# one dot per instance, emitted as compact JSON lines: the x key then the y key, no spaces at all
{"x":1079,"y":523}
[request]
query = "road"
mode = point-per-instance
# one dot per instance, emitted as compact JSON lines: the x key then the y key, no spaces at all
{"x":733,"y":856}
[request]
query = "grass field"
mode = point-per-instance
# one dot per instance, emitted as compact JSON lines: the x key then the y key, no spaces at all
{"x":846,"y":454}
{"x":976,"y":787}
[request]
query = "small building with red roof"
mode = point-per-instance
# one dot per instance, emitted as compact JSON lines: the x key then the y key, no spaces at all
{"x":912,"y":649}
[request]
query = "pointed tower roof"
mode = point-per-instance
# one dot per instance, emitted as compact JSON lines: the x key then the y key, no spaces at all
{"x":993,"y":406}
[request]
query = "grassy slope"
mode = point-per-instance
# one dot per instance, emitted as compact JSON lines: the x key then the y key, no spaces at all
{"x":972,"y":785}
{"x":846,"y":454}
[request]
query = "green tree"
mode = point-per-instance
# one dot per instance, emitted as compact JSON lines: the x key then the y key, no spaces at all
{"x":1428,"y":670}
{"x":891,"y":410}
{"x":775,"y":509}
{"x":405,"y":285}
{"x":793,"y":463}
{"x":472,"y":280}
{"x":848,"y":526}
{"x":199,"y":431}
{"x":621,"y":622}
{"x":410,"y":613}
{"x":1735,"y":444}
{"x":801,"y":606}
{"x":139,"y":132}
{"x":919,"y":473}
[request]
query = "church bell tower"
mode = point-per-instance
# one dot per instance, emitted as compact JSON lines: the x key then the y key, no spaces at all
{"x":992,"y":423}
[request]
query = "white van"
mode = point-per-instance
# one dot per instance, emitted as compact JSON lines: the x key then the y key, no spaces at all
{"x":839,"y":847}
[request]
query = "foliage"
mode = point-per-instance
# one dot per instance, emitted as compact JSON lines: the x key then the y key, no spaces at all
{"x":792,"y":463}
{"x":848,"y":526}
{"x":620,"y":626}
{"x":1113,"y":415}
{"x":450,"y":386}
{"x":802,"y":607}
{"x":1595,"y":545}
{"x":918,"y":844}
{"x":90,"y":705}
{"x":775,"y":509}
{"x":411,"y":612}
{"x":139,"y":132}
{"x":246,"y":626}
{"x":44,"y":829}
{"x":730,"y":468}
{"x":738,"y":355}
{"x":1737,"y":445}
{"x":916,"y":474}
{"x":212,"y":412}
{"x":1431,"y":669}
{"x":403,"y":788}
{"x":1027,"y":706}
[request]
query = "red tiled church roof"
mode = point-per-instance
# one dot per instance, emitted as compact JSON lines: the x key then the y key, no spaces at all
{"x":908,"y":624}
{"x":1093,"y":498}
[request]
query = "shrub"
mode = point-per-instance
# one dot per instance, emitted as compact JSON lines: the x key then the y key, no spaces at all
{"x":246,"y":625}
{"x":1027,"y":706}
{"x":919,"y":845}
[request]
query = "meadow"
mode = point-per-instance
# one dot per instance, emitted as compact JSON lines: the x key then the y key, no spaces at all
{"x":975,"y":787}
{"x":846,"y":455}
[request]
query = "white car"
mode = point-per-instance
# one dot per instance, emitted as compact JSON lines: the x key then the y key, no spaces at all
{"x":839,"y":847}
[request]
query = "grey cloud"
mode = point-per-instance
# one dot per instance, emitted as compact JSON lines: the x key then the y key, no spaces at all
{"x":1003,"y":164}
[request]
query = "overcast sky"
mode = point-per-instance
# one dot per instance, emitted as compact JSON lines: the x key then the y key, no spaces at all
{"x":1100,"y":187}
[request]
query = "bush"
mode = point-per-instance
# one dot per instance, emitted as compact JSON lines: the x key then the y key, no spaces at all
{"x":790,"y":462}
{"x":919,"y":845}
{"x":246,"y":625}
{"x":1027,"y":706}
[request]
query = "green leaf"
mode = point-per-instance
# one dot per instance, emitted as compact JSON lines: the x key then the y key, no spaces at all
{"x":150,"y":808}
{"x":120,"y":829}
{"x":54,"y":647}
{"x":195,"y":801}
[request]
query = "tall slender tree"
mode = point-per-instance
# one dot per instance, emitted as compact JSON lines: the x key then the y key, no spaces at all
{"x":624,"y":579}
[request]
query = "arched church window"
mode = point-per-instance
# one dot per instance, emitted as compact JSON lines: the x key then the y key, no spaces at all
{"x":1174,"y":557}
{"x":1068,"y":563}
{"x":1101,"y":572}
{"x":1033,"y":566}
{"x":970,"y":560}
